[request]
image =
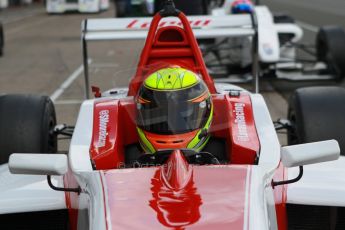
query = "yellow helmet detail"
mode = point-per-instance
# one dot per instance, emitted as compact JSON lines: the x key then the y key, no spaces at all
{"x":171,"y":79}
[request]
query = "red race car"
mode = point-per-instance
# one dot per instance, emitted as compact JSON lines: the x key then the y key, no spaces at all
{"x":176,"y":151}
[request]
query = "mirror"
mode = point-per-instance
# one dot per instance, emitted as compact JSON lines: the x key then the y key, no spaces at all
{"x":38,"y":164}
{"x":310,"y":153}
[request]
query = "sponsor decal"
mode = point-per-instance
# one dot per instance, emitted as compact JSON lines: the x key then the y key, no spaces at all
{"x":240,"y":121}
{"x":103,"y":124}
{"x":136,"y":24}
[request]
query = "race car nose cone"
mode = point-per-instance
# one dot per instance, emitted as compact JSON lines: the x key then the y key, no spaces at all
{"x":176,"y":173}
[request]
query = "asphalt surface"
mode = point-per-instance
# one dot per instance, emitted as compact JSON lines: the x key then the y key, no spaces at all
{"x":43,"y":56}
{"x":313,"y":12}
{"x":19,"y":13}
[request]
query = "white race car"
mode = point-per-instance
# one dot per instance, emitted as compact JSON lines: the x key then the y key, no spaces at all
{"x":258,"y":184}
{"x":280,"y":49}
{"x":83,"y":6}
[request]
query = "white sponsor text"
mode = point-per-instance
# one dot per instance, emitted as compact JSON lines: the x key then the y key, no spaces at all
{"x":240,"y":121}
{"x":103,"y":124}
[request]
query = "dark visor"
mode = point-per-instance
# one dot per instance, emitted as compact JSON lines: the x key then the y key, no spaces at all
{"x":172,"y":112}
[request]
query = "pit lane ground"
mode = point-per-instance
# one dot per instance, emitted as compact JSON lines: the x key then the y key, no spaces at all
{"x":43,"y":56}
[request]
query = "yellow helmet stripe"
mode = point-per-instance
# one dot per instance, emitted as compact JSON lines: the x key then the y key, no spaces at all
{"x":147,"y":143}
{"x":196,"y":139}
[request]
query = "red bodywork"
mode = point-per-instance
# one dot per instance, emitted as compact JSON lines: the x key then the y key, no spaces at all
{"x":237,"y":127}
{"x":178,"y":195}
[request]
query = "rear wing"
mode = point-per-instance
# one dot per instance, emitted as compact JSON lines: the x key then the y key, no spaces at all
{"x":137,"y":28}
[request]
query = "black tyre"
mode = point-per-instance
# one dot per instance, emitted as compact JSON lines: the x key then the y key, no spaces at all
{"x":318,"y":113}
{"x":26,"y":125}
{"x":2,"y":40}
{"x":44,"y":220}
{"x":330,"y":47}
{"x":314,"y":217}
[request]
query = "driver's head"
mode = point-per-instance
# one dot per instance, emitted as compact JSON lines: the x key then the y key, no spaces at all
{"x":242,"y":7}
{"x":174,"y":111}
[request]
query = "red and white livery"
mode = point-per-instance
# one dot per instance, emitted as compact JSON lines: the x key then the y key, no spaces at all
{"x":243,"y":194}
